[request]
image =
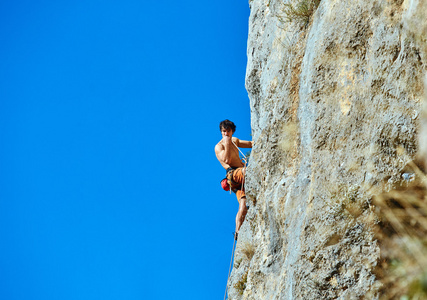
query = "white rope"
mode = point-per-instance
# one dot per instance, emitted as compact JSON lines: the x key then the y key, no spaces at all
{"x":234,"y":243}
{"x":246,"y":162}
{"x":240,"y":152}
{"x":229,"y":269}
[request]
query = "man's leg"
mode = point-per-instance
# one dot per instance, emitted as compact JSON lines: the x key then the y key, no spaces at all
{"x":241,"y":214}
{"x":239,"y":176}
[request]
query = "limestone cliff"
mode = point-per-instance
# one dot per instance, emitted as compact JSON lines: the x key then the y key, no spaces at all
{"x":335,"y":109}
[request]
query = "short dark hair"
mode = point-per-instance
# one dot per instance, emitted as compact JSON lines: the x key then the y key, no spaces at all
{"x":227,"y":124}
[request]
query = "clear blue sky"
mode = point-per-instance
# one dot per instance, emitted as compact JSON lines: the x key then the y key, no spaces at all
{"x":109,"y":113}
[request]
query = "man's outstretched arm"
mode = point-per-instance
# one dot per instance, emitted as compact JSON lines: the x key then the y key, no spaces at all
{"x":243,"y":144}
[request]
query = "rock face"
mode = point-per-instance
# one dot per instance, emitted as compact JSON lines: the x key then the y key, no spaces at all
{"x":335,"y":110}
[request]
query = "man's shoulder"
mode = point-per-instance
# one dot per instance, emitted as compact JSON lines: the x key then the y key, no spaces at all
{"x":219,"y":146}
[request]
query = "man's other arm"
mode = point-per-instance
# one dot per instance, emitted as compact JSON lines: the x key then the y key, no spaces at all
{"x":243,"y":144}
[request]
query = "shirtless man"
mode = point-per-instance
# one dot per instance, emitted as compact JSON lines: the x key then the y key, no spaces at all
{"x":228,"y":155}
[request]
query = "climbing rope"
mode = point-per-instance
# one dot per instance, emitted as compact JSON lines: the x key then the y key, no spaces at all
{"x":229,"y":269}
{"x":234,"y":243}
{"x":246,"y":163}
{"x":240,"y":153}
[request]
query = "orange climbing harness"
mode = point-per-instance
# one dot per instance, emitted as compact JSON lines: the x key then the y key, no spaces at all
{"x":228,"y":184}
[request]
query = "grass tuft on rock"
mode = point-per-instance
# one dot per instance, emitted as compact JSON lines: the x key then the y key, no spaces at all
{"x":240,"y":286}
{"x":248,"y":250}
{"x":300,"y":12}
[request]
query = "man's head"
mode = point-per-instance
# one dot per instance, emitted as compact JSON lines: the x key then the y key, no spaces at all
{"x":227,"y":124}
{"x":227,"y":127}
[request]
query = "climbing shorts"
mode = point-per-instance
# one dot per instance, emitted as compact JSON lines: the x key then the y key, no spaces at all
{"x":236,"y":179}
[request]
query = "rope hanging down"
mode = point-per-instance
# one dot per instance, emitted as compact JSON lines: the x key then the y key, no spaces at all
{"x":234,"y":243}
{"x":229,"y":269}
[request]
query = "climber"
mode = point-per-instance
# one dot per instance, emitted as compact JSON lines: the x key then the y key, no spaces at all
{"x":228,"y":155}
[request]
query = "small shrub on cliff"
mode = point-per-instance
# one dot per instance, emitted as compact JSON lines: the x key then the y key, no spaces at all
{"x":402,"y":232}
{"x":240,"y":286}
{"x":300,"y":12}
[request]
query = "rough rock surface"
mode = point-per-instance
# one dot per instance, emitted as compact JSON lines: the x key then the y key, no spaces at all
{"x":335,"y":110}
